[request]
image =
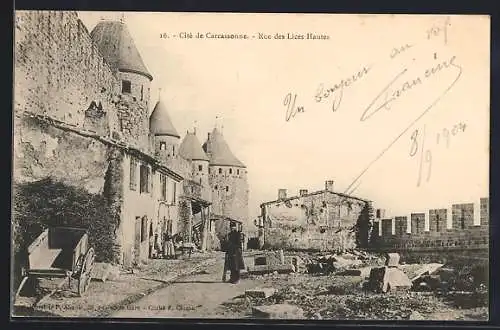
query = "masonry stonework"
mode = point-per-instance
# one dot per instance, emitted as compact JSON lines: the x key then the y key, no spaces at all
{"x":319,"y":221}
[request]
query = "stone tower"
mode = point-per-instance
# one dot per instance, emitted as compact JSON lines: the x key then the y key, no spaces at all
{"x":117,"y":46}
{"x":228,"y":181}
{"x":190,"y":149}
{"x":166,"y":138}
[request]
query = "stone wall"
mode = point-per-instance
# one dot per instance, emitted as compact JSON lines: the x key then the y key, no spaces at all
{"x":317,"y":221}
{"x":462,"y":226}
{"x":58,"y":70}
{"x":133,"y":123}
{"x":140,"y":87}
{"x":229,"y":194}
{"x":43,"y":151}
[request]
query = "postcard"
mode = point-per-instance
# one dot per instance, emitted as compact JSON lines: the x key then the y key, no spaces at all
{"x":250,"y":166}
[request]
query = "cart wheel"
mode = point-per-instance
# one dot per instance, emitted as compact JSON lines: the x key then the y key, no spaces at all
{"x":86,"y":272}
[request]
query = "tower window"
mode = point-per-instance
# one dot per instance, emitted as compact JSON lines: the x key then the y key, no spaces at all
{"x":230,"y":171}
{"x":227,"y":188}
{"x":142,"y":92}
{"x":238,"y":171}
{"x":126,"y":86}
{"x":200,"y":168}
{"x":215,"y":187}
{"x":163,"y":146}
{"x":173,"y":150}
{"x":220,"y":170}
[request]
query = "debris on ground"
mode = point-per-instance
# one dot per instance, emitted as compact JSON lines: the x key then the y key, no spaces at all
{"x":260,"y":292}
{"x":278,"y":311}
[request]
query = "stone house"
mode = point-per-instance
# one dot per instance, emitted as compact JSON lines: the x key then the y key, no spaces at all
{"x":322,"y":220}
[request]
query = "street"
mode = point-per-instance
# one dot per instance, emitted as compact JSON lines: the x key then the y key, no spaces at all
{"x":195,"y":296}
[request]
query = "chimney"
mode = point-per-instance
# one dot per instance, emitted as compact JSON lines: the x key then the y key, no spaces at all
{"x":329,"y":185}
{"x":281,"y":193}
{"x":302,"y":192}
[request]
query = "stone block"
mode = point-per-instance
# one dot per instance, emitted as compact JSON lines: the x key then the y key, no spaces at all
{"x":279,"y":311}
{"x":392,"y":259}
{"x":265,"y":269}
{"x":260,"y":292}
{"x":384,"y":279}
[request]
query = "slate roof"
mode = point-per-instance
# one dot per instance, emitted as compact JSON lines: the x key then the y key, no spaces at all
{"x":160,"y":122}
{"x":219,"y":152}
{"x":118,"y":47}
{"x":190,"y":148}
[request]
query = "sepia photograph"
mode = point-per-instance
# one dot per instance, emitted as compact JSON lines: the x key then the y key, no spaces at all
{"x":250,"y":166}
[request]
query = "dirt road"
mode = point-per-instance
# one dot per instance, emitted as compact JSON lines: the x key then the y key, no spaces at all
{"x":195,"y":296}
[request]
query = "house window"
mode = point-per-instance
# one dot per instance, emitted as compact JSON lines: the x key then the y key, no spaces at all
{"x":144,"y":228}
{"x":227,"y":188}
{"x":163,"y":187}
{"x":144,"y":179}
{"x":172,"y":186}
{"x":220,"y":170}
{"x":230,"y":171}
{"x":238,"y":171}
{"x":133,"y":176}
{"x":142,"y":92}
{"x":173,"y":150}
{"x":215,"y":187}
{"x":126,"y":86}
{"x":163,"y":146}
{"x":200,"y":168}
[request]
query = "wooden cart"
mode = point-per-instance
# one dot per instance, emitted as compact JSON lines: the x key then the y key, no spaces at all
{"x":61,"y":252}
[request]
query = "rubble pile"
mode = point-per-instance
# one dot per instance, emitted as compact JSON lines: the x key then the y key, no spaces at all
{"x":364,"y":286}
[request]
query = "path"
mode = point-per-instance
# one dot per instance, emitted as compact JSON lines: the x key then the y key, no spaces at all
{"x":194,"y":296}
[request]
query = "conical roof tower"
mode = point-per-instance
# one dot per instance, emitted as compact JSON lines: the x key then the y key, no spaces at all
{"x":118,"y":48}
{"x":190,"y":148}
{"x":219,"y":152}
{"x":160,"y":122}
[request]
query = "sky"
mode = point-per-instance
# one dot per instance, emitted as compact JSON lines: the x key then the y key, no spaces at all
{"x":425,"y":83}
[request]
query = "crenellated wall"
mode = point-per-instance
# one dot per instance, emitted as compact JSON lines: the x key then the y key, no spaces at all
{"x":461,"y":226}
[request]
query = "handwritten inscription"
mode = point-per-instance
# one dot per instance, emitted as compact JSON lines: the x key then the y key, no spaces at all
{"x":439,"y":30}
{"x":383,"y":100}
{"x":398,"y":50}
{"x":422,"y":159}
{"x":417,"y":144}
{"x":336,"y":91}
{"x":447,"y":134}
{"x":291,"y":108}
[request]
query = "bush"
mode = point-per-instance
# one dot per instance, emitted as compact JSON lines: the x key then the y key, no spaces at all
{"x":47,"y":203}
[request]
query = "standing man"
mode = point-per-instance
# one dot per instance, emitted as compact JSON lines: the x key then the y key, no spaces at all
{"x":234,"y":254}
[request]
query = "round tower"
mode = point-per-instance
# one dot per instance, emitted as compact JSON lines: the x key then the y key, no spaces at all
{"x":166,"y":141}
{"x":190,"y":149}
{"x":228,"y":180}
{"x":119,"y":50}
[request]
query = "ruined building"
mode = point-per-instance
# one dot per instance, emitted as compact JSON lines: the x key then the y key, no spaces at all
{"x":323,"y":220}
{"x":82,"y":119}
